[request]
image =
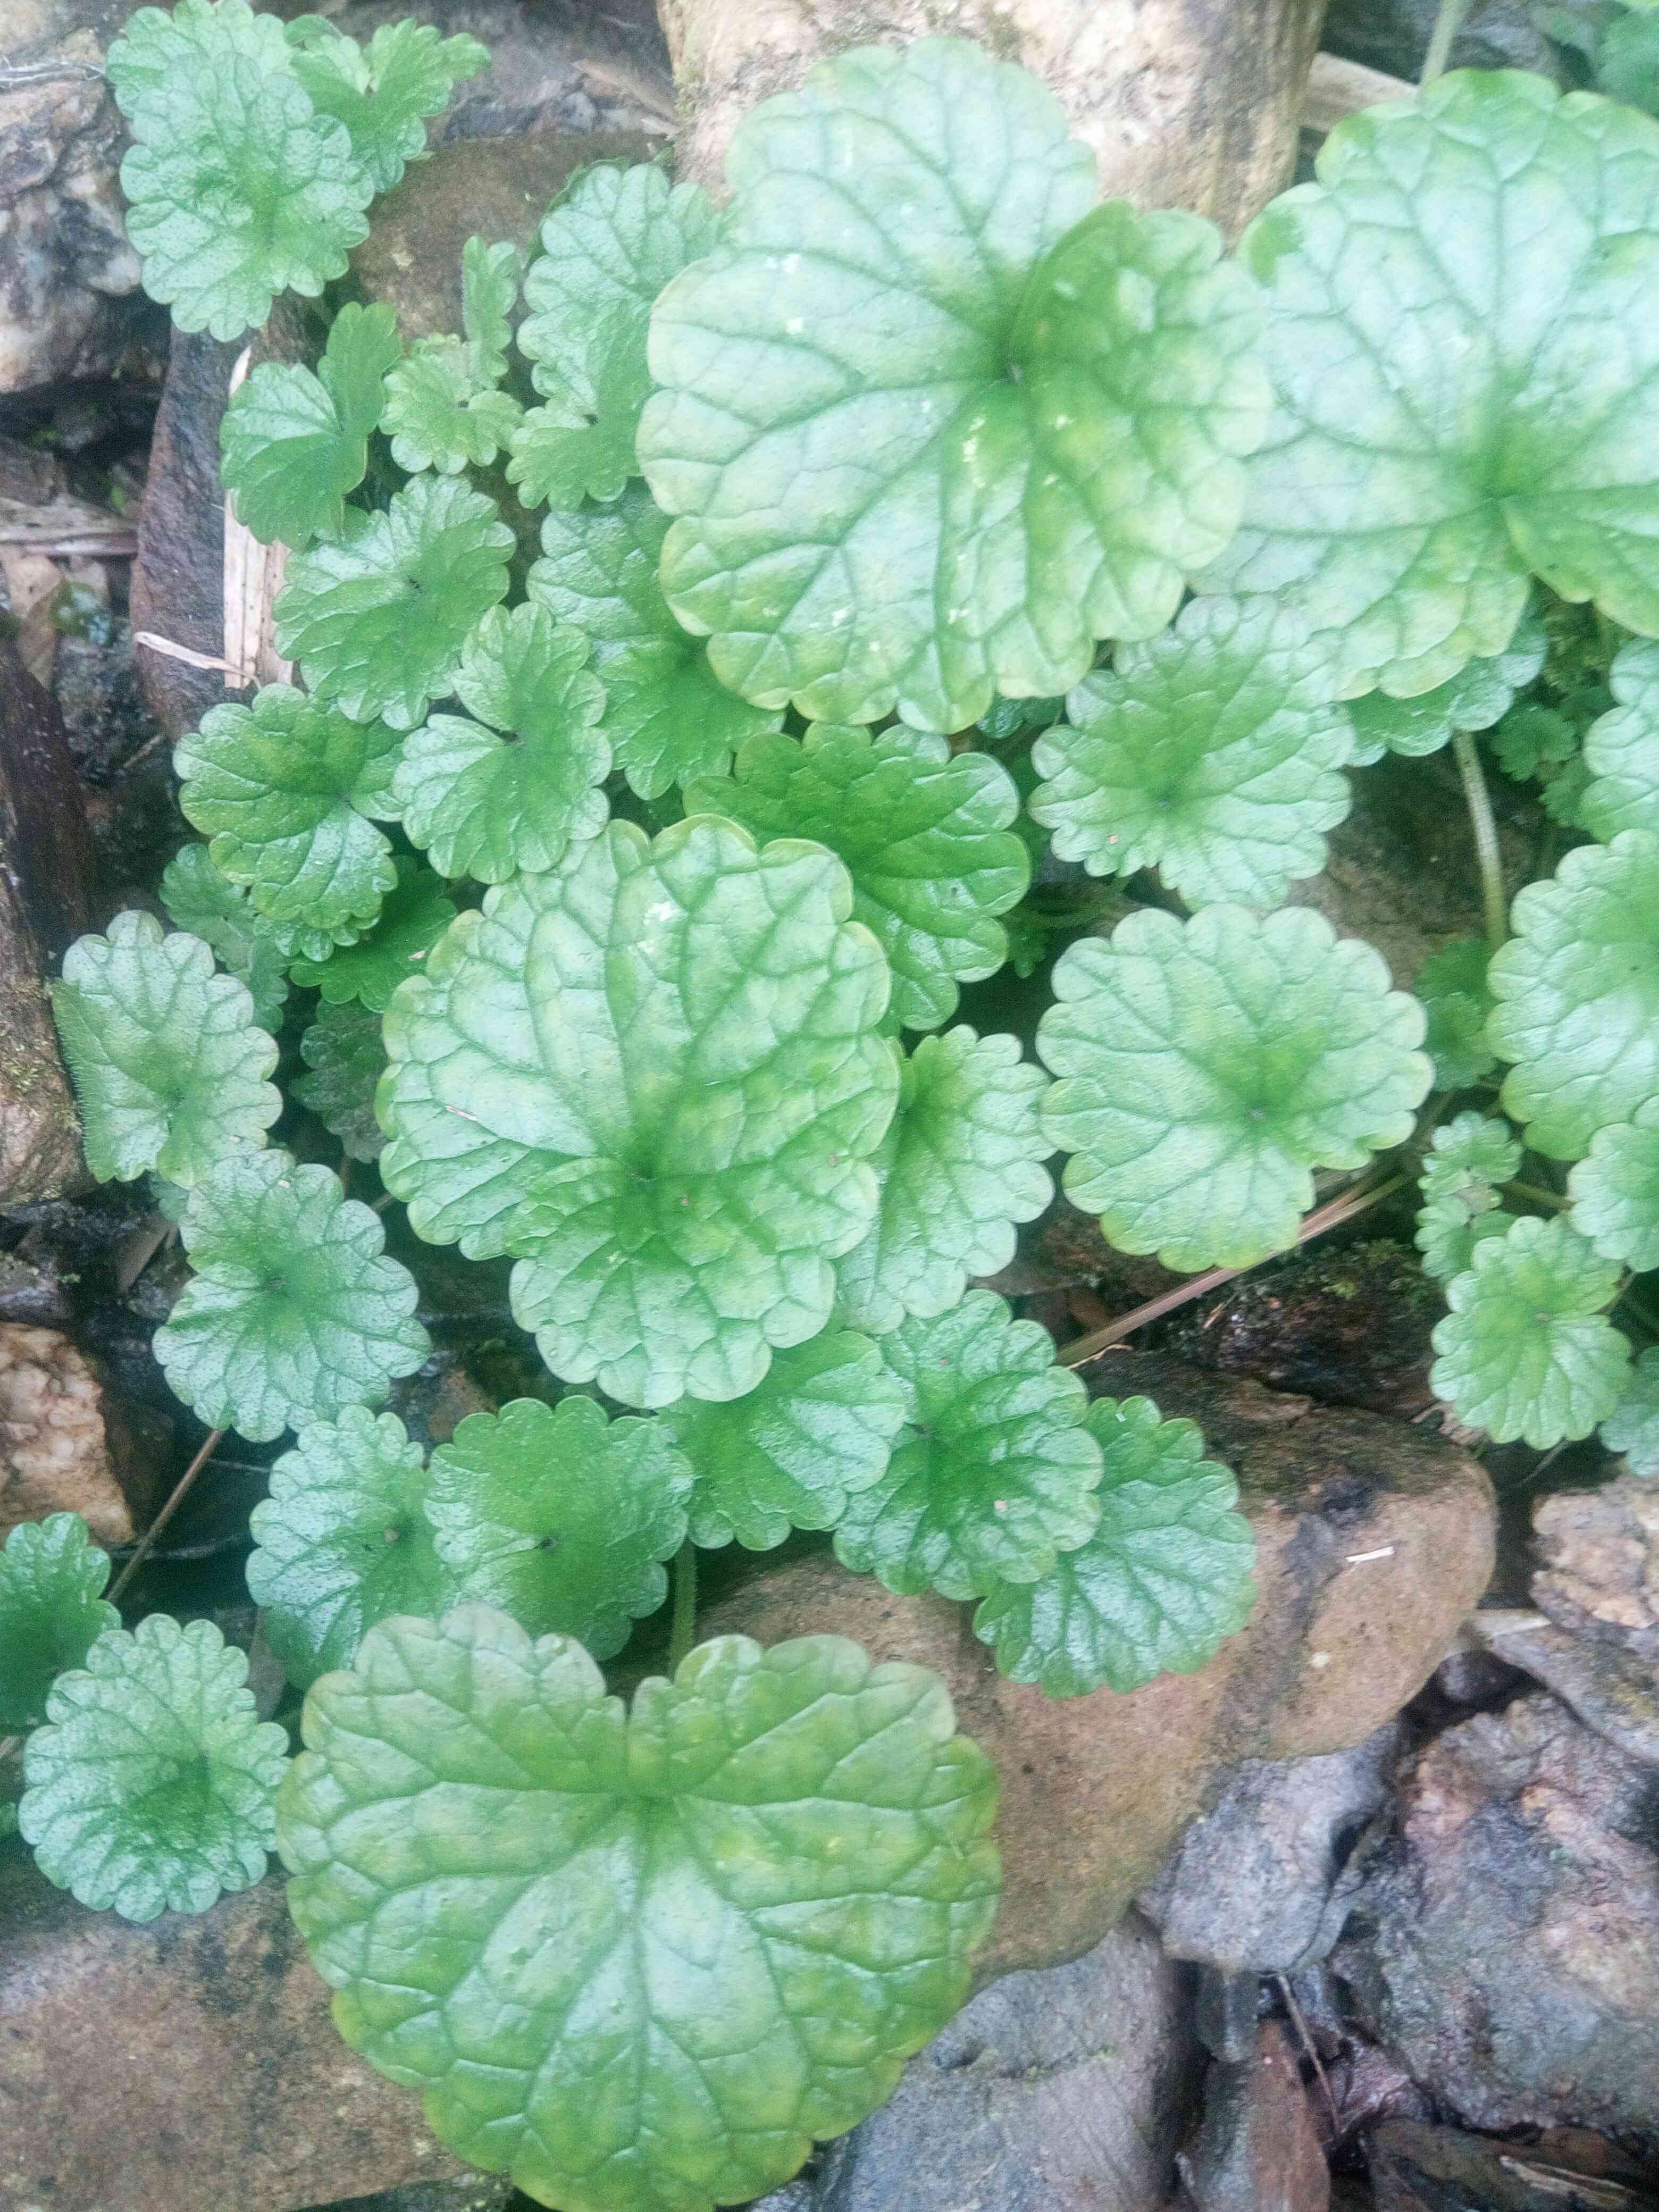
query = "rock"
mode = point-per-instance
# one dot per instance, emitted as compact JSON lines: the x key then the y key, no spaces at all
{"x":1375,"y":1540}
{"x":1416,"y":2168}
{"x":69,"y":300}
{"x":1610,"y":1688}
{"x":1257,"y":2149}
{"x":1063,"y":1249}
{"x":54,"y":1447}
{"x":1245,"y":1889}
{"x":1394,"y":36}
{"x":183,"y":2066}
{"x":1064,"y":2091}
{"x":1505,"y":1944}
{"x":1600,"y":1571}
{"x":475,"y":2192}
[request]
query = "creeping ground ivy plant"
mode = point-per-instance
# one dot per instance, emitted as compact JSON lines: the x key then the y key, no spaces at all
{"x":642,"y":916}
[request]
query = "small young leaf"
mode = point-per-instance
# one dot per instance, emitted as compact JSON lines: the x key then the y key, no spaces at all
{"x":343,"y":1051}
{"x":1534,"y":741}
{"x":53,"y":1610}
{"x":1482,"y":694}
{"x":1577,"y":993}
{"x":1615,"y":1190}
{"x":1210,"y":1066}
{"x":236,"y":187}
{"x":1451,"y":987}
{"x":790,"y":1453}
{"x":1621,"y":749}
{"x":169,"y":1060}
{"x":1469,"y":1162}
{"x":561,"y":1516}
{"x":378,"y":616}
{"x":1164,"y":1579}
{"x":443,"y":410}
{"x":249,"y":944}
{"x":150,"y":1788}
{"x":293,"y":445}
{"x":960,"y":1165}
{"x":383,"y":94}
{"x":416,"y":912}
{"x":1526,"y":1349}
{"x":993,"y":1475}
{"x":925,"y":837}
{"x":1213,"y":753}
{"x":934,"y":423}
{"x":342,"y":1541}
{"x":1447,"y":1234}
{"x":666,"y":716}
{"x":487,"y":807}
{"x":293,"y":1312}
{"x":1632,"y":1428}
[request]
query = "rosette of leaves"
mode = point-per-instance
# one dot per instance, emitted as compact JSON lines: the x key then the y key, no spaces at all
{"x":1207,"y":1068}
{"x":384,"y":92}
{"x":281,"y":789}
{"x":655,"y":1075}
{"x":520,"y":785}
{"x":1615,"y":1190}
{"x":1452,"y":990}
{"x":962,"y":1162}
{"x":168,"y":1058}
{"x":293,"y":443}
{"x":1632,"y":1427}
{"x":378,"y":616}
{"x":444,"y":408}
{"x":1162,"y":1581}
{"x":1621,"y":749}
{"x":53,"y":1610}
{"x":917,"y":462}
{"x":926,"y":839}
{"x":345,"y":1058}
{"x":1469,"y":1162}
{"x":249,"y":944}
{"x":667,"y":717}
{"x":1213,"y":753}
{"x":1430,"y":453}
{"x":414,"y":915}
{"x":343,"y":1541}
{"x":716,"y":1927}
{"x":993,"y":1475}
{"x":1526,"y":1351}
{"x":788,"y":1454}
{"x":293,"y":1311}
{"x":236,"y":187}
{"x":1577,"y":995}
{"x":561,"y":1516}
{"x":609,"y":244}
{"x":1480,"y":696}
{"x":150,"y":1788}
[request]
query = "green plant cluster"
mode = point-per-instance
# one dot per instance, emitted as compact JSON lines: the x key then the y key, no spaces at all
{"x":908,"y":518}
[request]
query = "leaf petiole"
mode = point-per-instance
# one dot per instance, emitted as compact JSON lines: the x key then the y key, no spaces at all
{"x":684,"y":1630}
{"x":1447,"y":25}
{"x":1488,"y":856}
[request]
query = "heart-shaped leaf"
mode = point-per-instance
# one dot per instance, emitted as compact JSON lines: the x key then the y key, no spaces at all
{"x":294,"y":444}
{"x":384,"y":92}
{"x":416,"y":913}
{"x":444,"y":408}
{"x":53,"y":1610}
{"x":346,"y":1059}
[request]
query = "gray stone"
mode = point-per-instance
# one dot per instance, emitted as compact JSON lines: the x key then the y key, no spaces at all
{"x":1257,"y":2148}
{"x":1599,"y":1571}
{"x":473,"y":2192}
{"x":1610,"y":1688}
{"x":1417,"y":2168}
{"x":1394,"y":36}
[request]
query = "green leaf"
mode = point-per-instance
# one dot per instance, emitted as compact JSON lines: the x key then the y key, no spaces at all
{"x":487,"y":806}
{"x":169,"y":1060}
{"x":960,"y":1165}
{"x":343,"y":1051}
{"x":932,"y":425}
{"x":993,"y":1475}
{"x":1163,"y":1580}
{"x":1452,"y":990}
{"x":1482,"y":694}
{"x":342,"y":1541}
{"x":294,"y":444}
{"x":1615,"y":1190}
{"x":252,"y":947}
{"x":1447,"y":1234}
{"x":1526,"y":1351}
{"x":53,"y":1610}
{"x":1452,"y":418}
{"x":443,"y":410}
{"x":277,"y":786}
{"x":1533,"y":741}
{"x":667,"y":718}
{"x":384,"y":93}
{"x":378,"y":616}
{"x":561,"y":1516}
{"x":1210,"y":1066}
{"x":1577,"y":994}
{"x":150,"y":1789}
{"x":416,"y":912}
{"x":293,"y":1312}
{"x":713,"y":1929}
{"x":925,"y":838}
{"x":236,"y":188}
{"x":654,"y":1074}
{"x":1213,"y":753}
{"x":1469,"y":1162}
{"x":609,"y":246}
{"x":1632,"y":1428}
{"x":1627,"y":65}
{"x":1621,"y":749}
{"x":818,"y":1427}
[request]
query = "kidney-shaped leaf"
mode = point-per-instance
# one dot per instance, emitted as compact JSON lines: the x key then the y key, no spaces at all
{"x":52,"y":1609}
{"x":293,"y":443}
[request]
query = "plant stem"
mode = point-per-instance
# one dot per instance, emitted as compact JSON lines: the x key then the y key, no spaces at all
{"x":181,"y":1491}
{"x":683,"y":1634}
{"x":1447,"y":25}
{"x":1328,"y":1215}
{"x":10,"y":1744}
{"x":1486,"y":853}
{"x":1535,"y":1194}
